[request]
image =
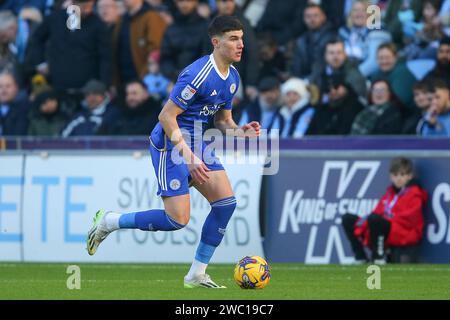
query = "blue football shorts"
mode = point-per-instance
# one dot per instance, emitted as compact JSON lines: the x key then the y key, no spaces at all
{"x":172,"y":171}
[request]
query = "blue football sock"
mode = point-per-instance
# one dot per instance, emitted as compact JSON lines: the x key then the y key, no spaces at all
{"x":214,"y":228}
{"x":150,"y":220}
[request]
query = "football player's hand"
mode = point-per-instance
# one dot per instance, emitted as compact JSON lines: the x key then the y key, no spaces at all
{"x":198,"y":171}
{"x":252,"y":129}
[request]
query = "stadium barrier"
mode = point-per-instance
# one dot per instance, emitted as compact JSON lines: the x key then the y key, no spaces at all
{"x":47,"y":201}
{"x":334,"y":177}
{"x":48,"y":195}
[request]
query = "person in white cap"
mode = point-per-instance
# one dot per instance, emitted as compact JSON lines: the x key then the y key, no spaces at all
{"x":297,"y":112}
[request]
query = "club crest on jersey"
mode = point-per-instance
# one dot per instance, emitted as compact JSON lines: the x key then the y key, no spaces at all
{"x":175,"y":184}
{"x":233,"y":88}
{"x":188,"y":92}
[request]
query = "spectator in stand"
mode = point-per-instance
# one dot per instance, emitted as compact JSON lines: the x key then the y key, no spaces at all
{"x":361,"y":43}
{"x":297,"y":112}
{"x":423,"y":44}
{"x":11,"y":5}
{"x":44,"y":6}
{"x":161,"y":7}
{"x":183,"y":41}
{"x":395,"y":72}
{"x":272,"y":60}
{"x":138,"y":116}
{"x":13,"y":107}
{"x":110,"y":11}
{"x":422,"y":101}
{"x":309,"y":48}
{"x":283,"y":20}
{"x":97,"y":109}
{"x":337,"y":11}
{"x":156,"y":83}
{"x":337,"y":115}
{"x":138,"y":32}
{"x":29,"y":19}
{"x":8,"y":50}
{"x":46,"y":117}
{"x":71,"y":58}
{"x":337,"y":65}
{"x":266,"y":107}
{"x":248,"y":66}
{"x":401,"y":17}
{"x":382,"y":116}
{"x":444,"y":16}
{"x":396,"y":221}
{"x":442,"y":69}
{"x":436,"y":122}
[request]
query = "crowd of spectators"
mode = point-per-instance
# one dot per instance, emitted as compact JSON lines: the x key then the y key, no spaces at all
{"x":310,"y":67}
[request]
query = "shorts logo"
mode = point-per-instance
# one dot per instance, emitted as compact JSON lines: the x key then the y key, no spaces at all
{"x":175,"y":184}
{"x":188,"y":92}
{"x":222,"y":231}
{"x":233,"y":88}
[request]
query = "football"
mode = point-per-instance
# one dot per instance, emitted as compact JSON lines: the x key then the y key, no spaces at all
{"x":252,"y":273}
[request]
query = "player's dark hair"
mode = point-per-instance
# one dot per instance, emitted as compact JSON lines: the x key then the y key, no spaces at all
{"x":401,"y":165}
{"x":222,"y":24}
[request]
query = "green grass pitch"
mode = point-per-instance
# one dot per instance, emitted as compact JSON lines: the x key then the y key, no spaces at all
{"x":164,"y":281}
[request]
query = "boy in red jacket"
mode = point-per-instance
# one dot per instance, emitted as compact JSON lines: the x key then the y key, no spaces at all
{"x":397,"y":219}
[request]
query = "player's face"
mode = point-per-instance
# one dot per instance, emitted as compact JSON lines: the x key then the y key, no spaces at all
{"x":231,"y":45}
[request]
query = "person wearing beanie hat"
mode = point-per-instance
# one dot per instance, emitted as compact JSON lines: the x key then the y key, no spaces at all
{"x":266,"y":107}
{"x":46,"y":117}
{"x":442,"y":68}
{"x":297,"y":112}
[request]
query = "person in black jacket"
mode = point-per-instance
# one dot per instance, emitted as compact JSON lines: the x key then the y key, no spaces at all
{"x":183,"y":41}
{"x":266,"y":107}
{"x":137,"y":117}
{"x":336,"y":116}
{"x":46,"y":117}
{"x":310,"y":47}
{"x":13,"y":108}
{"x":71,"y":57}
{"x":98,"y":109}
{"x":283,"y":19}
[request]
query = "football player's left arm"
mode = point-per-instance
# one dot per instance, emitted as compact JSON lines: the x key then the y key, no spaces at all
{"x":223,"y":121}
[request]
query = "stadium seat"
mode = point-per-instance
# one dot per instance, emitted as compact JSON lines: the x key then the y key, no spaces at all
{"x":420,"y":67}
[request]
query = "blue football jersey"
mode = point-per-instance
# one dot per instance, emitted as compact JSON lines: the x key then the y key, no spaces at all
{"x":201,"y":90}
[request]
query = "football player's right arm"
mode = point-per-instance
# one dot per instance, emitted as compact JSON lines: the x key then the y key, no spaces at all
{"x":168,"y":119}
